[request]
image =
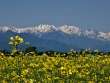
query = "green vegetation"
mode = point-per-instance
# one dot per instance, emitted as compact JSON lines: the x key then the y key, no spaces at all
{"x":30,"y":66}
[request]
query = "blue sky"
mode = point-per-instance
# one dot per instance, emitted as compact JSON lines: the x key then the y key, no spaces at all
{"x":88,"y":14}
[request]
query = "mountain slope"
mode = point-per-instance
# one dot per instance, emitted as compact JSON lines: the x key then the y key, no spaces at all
{"x":56,"y":41}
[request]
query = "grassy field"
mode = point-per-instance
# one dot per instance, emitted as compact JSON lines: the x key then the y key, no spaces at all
{"x":46,"y":69}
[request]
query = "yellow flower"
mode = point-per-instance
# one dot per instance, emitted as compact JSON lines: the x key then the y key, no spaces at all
{"x":31,"y":81}
{"x":16,"y":40}
{"x":62,"y":68}
{"x":21,"y":39}
{"x":11,"y":43}
{"x":70,"y":72}
{"x":91,"y":81}
{"x":4,"y":81}
{"x":11,"y":38}
{"x":1,"y":54}
{"x":25,"y":71}
{"x":17,"y":37}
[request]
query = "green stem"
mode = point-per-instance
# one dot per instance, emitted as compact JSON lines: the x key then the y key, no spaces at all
{"x":14,"y":50}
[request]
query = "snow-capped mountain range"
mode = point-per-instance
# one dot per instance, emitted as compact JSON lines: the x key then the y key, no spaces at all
{"x":62,"y":38}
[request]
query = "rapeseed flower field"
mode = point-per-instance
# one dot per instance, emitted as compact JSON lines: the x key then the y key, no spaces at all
{"x":45,"y":69}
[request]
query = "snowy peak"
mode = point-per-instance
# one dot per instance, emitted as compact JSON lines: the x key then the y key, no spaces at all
{"x":70,"y":30}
